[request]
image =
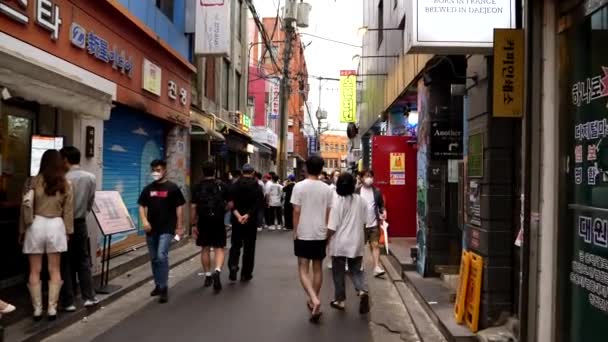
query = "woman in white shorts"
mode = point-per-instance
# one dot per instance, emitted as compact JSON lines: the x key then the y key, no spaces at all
{"x":53,"y":221}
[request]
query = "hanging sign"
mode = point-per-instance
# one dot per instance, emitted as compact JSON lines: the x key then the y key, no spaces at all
{"x":212,"y":28}
{"x":508,"y":87}
{"x":348,"y":96}
{"x":470,"y":23}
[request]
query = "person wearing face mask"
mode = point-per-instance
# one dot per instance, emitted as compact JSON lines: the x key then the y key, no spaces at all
{"x":377,"y":211}
{"x":161,"y":206}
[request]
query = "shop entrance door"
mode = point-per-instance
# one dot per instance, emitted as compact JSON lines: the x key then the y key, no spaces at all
{"x":16,"y":127}
{"x":394,"y":166}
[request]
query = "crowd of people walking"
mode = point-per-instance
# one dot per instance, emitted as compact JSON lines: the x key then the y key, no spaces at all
{"x":333,"y":215}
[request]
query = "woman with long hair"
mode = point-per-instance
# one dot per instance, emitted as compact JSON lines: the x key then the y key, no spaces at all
{"x":347,"y":221}
{"x":53,"y":220}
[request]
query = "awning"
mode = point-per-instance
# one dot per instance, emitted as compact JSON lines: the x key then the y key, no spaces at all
{"x":39,"y":76}
{"x":203,"y":125}
{"x":262,"y":148}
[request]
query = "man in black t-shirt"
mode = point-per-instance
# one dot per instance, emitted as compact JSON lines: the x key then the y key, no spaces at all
{"x":209,"y":199}
{"x":160,"y":210}
{"x":245,"y":198}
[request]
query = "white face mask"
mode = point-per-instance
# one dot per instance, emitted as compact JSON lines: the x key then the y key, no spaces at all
{"x":156,"y":176}
{"x":368,"y":181}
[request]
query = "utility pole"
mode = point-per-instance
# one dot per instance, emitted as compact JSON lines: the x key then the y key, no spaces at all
{"x":284,"y":99}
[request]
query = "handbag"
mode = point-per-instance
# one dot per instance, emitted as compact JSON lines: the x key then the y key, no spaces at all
{"x":27,"y":203}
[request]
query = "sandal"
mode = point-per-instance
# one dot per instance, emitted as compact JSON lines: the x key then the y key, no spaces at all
{"x":315,"y":314}
{"x":336,"y":305}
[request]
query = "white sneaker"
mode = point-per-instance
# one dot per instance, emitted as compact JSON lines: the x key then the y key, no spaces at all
{"x":89,"y":302}
{"x":378,"y":271}
{"x":260,"y":229}
{"x":271,"y":228}
{"x":70,"y":308}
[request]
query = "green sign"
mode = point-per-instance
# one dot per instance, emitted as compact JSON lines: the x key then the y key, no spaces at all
{"x":583,"y":300}
{"x":475,"y":156}
{"x":246,"y":123}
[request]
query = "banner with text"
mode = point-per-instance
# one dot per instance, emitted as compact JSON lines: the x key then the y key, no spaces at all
{"x":212,"y":28}
{"x":348,"y":96}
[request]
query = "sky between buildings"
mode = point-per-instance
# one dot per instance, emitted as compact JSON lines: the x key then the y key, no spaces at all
{"x":335,"y":19}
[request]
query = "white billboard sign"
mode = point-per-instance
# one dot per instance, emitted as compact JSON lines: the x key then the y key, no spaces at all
{"x":212,"y":36}
{"x":456,"y":26}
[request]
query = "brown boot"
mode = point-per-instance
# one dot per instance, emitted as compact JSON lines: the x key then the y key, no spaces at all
{"x":54,"y":289}
{"x":36,"y":294}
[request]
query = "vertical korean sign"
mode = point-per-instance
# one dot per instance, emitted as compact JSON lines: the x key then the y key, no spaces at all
{"x":348,"y":96}
{"x":508,"y":87}
{"x":584,"y":108}
{"x":212,"y":28}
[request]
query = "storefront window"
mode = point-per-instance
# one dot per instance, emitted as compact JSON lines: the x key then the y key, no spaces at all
{"x":15,"y":135}
{"x":583,"y":287}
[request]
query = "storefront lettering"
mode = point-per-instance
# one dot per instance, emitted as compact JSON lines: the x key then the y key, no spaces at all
{"x":593,"y":231}
{"x":590,"y":89}
{"x":100,"y":48}
{"x":14,"y":13}
{"x":173,"y":93}
{"x":591,"y":130}
{"x":578,"y":154}
{"x":47,"y":14}
{"x":590,"y":272}
{"x":508,"y":72}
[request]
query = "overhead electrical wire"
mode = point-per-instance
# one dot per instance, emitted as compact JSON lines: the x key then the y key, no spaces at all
{"x":260,"y":26}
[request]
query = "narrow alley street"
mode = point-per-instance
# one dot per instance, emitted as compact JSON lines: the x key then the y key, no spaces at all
{"x":269,"y":308}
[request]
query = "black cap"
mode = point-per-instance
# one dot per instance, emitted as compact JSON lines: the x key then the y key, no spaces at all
{"x":247,"y":168}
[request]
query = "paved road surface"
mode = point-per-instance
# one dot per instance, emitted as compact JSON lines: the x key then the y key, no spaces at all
{"x":269,"y":308}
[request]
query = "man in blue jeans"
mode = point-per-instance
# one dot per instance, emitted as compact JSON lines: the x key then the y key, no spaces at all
{"x":160,"y":210}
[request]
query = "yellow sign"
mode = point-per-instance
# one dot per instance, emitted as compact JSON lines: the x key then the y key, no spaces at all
{"x":348,"y":95}
{"x":397,"y":162}
{"x":508,"y":87}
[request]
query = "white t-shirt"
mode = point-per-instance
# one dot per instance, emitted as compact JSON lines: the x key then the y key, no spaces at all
{"x":274,"y":194}
{"x":368,"y":195}
{"x":348,"y":217}
{"x":314,"y":198}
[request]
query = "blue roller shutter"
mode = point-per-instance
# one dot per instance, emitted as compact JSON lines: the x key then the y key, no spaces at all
{"x":131,"y":141}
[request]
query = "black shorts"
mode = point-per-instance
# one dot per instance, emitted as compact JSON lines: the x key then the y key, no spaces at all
{"x":211,"y":233}
{"x":310,"y":249}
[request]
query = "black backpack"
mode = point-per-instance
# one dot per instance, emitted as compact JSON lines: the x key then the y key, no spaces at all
{"x":211,"y":202}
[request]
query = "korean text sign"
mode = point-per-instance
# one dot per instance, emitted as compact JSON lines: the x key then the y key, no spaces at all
{"x":213,"y":28}
{"x":508,"y":87}
{"x":348,"y":95}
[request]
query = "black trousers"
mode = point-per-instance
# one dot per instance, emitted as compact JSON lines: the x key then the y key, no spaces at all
{"x":276,"y":213}
{"x":243,"y":237}
{"x":288,"y":212}
{"x":76,"y":264}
